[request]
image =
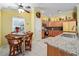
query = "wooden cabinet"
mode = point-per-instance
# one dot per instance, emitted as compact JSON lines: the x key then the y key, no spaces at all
{"x":69,"y":26}
{"x":54,"y":33}
{"x":72,"y":26}
{"x":65,"y":26}
{"x":54,"y":24}
{"x":49,"y":32}
{"x":53,"y":51}
{"x":53,"y":29}
{"x":43,"y":34}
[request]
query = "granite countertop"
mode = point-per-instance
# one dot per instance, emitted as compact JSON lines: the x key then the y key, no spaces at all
{"x":70,"y":45}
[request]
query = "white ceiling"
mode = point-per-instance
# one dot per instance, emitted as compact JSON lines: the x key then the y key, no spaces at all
{"x":48,"y":8}
{"x":52,"y":8}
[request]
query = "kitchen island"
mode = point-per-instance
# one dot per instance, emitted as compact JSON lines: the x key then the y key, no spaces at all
{"x":63,"y":45}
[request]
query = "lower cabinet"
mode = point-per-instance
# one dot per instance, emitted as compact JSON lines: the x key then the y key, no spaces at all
{"x":53,"y":51}
{"x":54,"y":33}
{"x":43,"y":34}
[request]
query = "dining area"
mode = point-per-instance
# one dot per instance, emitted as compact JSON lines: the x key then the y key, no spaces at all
{"x":19,"y":42}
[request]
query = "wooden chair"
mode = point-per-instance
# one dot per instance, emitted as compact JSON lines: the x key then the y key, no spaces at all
{"x":14,"y":45}
{"x":28,"y":41}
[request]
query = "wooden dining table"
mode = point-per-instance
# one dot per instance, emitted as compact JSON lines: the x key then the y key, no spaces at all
{"x":22,"y":36}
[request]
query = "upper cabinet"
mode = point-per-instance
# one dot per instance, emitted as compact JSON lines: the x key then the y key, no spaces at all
{"x":54,"y":24}
{"x":65,"y":26}
{"x":69,"y":26}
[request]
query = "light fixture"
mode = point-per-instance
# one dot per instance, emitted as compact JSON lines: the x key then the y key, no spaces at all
{"x":20,"y":10}
{"x":59,"y":11}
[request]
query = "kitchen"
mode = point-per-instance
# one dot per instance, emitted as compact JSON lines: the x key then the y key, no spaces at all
{"x":60,"y":33}
{"x":55,"y":30}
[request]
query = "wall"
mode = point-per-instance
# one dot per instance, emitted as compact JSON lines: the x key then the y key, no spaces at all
{"x":59,"y":15}
{"x":33,"y":16}
{"x":7,"y":15}
{"x":62,"y":15}
{"x":0,"y":27}
{"x":44,"y":18}
{"x":78,"y":19}
{"x":32,"y":19}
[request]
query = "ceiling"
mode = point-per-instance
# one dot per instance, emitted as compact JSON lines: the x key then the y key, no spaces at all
{"x":48,"y":8}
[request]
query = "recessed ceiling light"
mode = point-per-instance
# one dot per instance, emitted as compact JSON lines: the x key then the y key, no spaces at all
{"x":59,"y":11}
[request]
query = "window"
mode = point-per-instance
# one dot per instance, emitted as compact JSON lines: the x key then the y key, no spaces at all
{"x":18,"y":24}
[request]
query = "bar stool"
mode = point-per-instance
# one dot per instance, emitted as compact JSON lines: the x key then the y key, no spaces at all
{"x":14,"y":45}
{"x":28,"y":41}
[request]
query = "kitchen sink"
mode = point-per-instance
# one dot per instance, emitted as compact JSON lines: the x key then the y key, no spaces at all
{"x":68,"y":35}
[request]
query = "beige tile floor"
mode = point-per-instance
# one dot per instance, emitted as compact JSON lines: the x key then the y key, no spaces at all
{"x":39,"y":48}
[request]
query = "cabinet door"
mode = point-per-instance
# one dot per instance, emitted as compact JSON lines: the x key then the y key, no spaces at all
{"x":49,"y":32}
{"x":47,"y":24}
{"x":69,"y":26}
{"x":53,"y":51}
{"x":72,"y":26}
{"x":43,"y":35}
{"x":65,"y":26}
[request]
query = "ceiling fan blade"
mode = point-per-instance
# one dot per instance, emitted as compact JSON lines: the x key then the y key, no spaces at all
{"x":27,"y":11}
{"x":20,"y":5}
{"x":28,"y":7}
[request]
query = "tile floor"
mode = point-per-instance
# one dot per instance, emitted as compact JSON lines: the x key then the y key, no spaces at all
{"x":39,"y":48}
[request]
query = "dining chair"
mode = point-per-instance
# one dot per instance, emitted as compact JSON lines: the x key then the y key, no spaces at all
{"x":14,"y":45}
{"x":28,"y":41}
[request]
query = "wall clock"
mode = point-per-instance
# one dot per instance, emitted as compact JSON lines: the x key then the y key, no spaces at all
{"x":38,"y":14}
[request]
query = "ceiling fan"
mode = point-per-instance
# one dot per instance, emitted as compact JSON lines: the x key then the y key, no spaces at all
{"x":22,"y":8}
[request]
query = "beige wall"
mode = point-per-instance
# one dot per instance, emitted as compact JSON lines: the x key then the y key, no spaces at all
{"x":62,"y":15}
{"x":7,"y":22}
{"x":44,"y":18}
{"x":0,"y":27}
{"x":78,"y":19}
{"x":33,"y":16}
{"x":32,"y":19}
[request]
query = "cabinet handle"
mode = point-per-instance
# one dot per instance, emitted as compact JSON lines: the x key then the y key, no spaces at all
{"x":73,"y":27}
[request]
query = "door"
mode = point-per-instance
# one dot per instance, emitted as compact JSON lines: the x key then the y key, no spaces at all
{"x":38,"y":29}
